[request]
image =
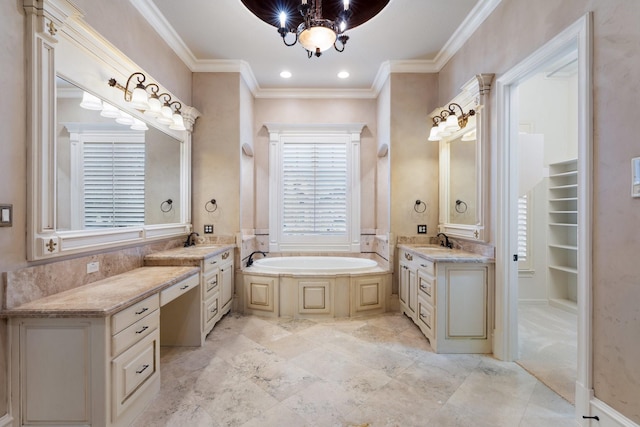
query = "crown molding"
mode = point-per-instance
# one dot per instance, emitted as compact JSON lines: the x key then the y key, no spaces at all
{"x":465,"y":30}
{"x":478,"y":14}
{"x":156,"y":19}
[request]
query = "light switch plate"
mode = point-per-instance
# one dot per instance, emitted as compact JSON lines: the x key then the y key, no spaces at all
{"x":6,"y":215}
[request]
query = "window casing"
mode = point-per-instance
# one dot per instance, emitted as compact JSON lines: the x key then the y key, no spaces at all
{"x":314,"y":188}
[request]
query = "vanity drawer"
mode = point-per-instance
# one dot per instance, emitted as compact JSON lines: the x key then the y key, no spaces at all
{"x":426,"y":266}
{"x":174,"y":291}
{"x":132,"y":370}
{"x":127,"y":317}
{"x":210,"y":284}
{"x":211,"y":307}
{"x":426,"y":317}
{"x":214,"y":262}
{"x":426,"y":285}
{"x":134,"y":333}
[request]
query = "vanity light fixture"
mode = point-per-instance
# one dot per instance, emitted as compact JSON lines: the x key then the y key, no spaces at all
{"x":145,"y":97}
{"x":90,"y":102}
{"x":447,"y":122}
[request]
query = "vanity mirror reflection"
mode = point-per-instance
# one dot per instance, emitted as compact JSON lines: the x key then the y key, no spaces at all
{"x":112,"y":170}
{"x":94,"y":182}
{"x":463,"y":165}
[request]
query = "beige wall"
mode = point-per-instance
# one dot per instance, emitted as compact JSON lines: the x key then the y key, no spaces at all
{"x":317,"y":111}
{"x":247,"y":165}
{"x":216,"y":152}
{"x":515,"y":30}
{"x":383,"y":181}
{"x":414,"y":160}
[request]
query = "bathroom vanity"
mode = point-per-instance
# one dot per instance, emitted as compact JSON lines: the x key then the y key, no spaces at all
{"x":216,"y":278}
{"x":449,"y":294}
{"x":90,"y":355}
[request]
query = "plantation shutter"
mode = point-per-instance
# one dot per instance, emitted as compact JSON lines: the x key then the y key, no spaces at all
{"x":314,"y":189}
{"x":113,"y":184}
{"x":523,"y":237}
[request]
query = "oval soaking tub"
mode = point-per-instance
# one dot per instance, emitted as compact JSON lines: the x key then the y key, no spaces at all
{"x":314,"y":264}
{"x":315,"y":286}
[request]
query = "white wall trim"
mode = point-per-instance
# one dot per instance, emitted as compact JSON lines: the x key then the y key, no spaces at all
{"x":609,"y":417}
{"x":505,"y":126}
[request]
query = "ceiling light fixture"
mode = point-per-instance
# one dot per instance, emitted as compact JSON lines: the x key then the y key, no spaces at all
{"x":316,"y":33}
{"x":285,"y":74}
{"x":343,"y":74}
{"x":446,"y":123}
{"x":147,"y":99}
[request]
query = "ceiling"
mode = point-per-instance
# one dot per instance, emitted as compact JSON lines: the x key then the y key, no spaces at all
{"x":406,"y":36}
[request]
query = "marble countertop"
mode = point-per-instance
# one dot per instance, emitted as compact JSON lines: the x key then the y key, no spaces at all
{"x":191,"y":255}
{"x":104,"y":297}
{"x":441,"y":254}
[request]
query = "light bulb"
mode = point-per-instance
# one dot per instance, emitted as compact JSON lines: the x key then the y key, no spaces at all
{"x":90,"y":102}
{"x":283,"y":19}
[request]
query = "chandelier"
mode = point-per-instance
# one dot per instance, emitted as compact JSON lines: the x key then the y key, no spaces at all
{"x":305,"y":22}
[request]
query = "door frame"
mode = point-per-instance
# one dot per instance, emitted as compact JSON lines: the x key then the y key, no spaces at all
{"x":505,"y":126}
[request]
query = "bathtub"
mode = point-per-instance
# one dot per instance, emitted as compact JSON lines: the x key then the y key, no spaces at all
{"x":315,"y":286}
{"x":315,"y":264}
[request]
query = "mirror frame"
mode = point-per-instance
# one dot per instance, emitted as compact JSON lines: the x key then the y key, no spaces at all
{"x":60,"y":42}
{"x":474,"y":95}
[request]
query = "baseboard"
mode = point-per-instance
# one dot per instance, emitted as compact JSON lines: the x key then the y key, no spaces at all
{"x":608,"y":416}
{"x":6,"y":421}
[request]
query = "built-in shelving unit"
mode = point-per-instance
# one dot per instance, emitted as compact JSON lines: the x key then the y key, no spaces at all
{"x":562,"y":271}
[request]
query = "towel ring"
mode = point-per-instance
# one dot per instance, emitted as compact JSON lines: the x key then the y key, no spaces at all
{"x":417,"y":206}
{"x":461,"y":207}
{"x":166,"y":206}
{"x":211,"y":206}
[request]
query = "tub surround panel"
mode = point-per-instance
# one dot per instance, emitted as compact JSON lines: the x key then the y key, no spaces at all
{"x":104,"y":297}
{"x":31,"y":283}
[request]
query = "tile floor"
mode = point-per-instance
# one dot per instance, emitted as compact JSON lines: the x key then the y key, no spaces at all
{"x":547,"y":338}
{"x":378,"y":371}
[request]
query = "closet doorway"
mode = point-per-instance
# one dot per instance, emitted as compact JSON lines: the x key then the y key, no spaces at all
{"x":563,"y":169}
{"x":547,"y":147}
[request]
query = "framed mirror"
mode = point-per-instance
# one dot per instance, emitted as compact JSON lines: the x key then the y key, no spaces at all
{"x":101,"y":173}
{"x":463,"y":166}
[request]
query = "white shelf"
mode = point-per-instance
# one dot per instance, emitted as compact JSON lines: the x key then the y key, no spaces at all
{"x":562,"y":240}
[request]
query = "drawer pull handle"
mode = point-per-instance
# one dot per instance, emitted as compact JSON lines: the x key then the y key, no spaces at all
{"x":144,"y":328}
{"x":184,"y":287}
{"x":423,"y":287}
{"x":213,"y":262}
{"x":144,"y":368}
{"x":225,"y":255}
{"x":213,"y":282}
{"x":408,"y":256}
{"x":424,"y":265}
{"x":215,"y":310}
{"x":142,"y":311}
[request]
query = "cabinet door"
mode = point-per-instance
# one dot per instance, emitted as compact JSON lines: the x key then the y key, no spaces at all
{"x":260,"y":295}
{"x":367,"y":295}
{"x":467,"y":299}
{"x":407,"y":291}
{"x":226,"y":279}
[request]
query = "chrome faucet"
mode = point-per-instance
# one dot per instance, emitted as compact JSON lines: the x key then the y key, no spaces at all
{"x":250,"y":260}
{"x":191,"y":239}
{"x":446,"y":241}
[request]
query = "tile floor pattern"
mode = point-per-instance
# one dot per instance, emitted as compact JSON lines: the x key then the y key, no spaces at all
{"x":547,"y":343}
{"x":378,"y":371}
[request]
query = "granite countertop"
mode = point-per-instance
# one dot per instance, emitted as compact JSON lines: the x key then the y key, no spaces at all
{"x":191,"y":255}
{"x":104,"y":297}
{"x":441,"y":254}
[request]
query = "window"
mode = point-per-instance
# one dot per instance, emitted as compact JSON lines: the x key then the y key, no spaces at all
{"x":524,"y":233}
{"x":113,"y":190}
{"x":314,"y":189}
{"x":107,"y":169}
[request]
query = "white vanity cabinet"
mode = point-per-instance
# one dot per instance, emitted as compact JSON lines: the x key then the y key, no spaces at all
{"x":449,"y":296}
{"x":87,"y":356}
{"x":217,"y":288}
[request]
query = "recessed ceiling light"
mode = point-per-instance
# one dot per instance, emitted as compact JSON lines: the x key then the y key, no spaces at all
{"x":343,"y":74}
{"x":285,"y":74}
